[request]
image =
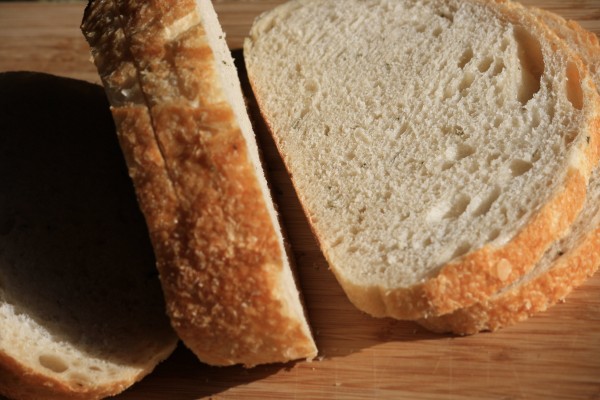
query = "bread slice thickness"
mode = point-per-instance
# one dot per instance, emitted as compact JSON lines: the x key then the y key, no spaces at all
{"x":438,"y":148}
{"x":191,"y":152}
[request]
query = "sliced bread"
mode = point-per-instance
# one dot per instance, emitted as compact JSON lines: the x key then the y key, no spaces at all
{"x":192,"y":155}
{"x":81,"y":306}
{"x":438,"y":147}
{"x":567,"y":263}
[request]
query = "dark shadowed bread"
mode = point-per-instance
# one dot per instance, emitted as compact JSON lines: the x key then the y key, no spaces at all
{"x":82,"y":312}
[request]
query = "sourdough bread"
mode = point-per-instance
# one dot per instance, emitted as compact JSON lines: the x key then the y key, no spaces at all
{"x":567,"y":263}
{"x":193,"y":158}
{"x":81,"y":306}
{"x":438,"y":147}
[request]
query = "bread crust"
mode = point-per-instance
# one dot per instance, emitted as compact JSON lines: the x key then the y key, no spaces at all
{"x":24,"y":383}
{"x":477,"y":275}
{"x":217,"y":251}
{"x":571,"y":270}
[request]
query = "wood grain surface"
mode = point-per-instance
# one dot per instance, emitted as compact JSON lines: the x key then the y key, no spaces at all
{"x":555,"y":355}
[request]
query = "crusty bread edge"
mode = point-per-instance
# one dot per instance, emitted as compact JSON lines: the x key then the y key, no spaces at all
{"x":520,"y":303}
{"x":475,"y":276}
{"x":20,"y":382}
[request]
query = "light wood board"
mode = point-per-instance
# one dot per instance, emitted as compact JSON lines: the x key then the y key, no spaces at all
{"x":553,"y":355}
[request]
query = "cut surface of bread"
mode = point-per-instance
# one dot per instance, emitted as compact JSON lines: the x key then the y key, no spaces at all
{"x":568,"y":262}
{"x":438,"y":147}
{"x":192,"y":155}
{"x":82,"y":312}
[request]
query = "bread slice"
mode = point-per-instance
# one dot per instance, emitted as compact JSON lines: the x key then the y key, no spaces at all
{"x":438,"y":147}
{"x":567,"y":263}
{"x":192,"y":155}
{"x":81,"y":306}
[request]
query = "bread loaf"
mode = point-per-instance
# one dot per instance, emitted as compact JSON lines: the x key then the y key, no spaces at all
{"x":192,"y":155}
{"x":439,"y":148}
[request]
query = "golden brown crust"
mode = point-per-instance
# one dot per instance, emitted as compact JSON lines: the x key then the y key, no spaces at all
{"x":217,"y":249}
{"x":26,"y":384}
{"x":477,"y":275}
{"x":521,"y":302}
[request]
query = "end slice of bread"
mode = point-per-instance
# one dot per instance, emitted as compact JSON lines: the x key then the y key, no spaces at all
{"x":567,"y":263}
{"x":191,"y":151}
{"x":81,"y":306}
{"x":438,"y":147}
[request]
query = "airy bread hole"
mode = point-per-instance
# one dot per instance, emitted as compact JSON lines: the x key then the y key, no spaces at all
{"x":494,"y":234}
{"x":437,"y":32}
{"x":536,"y":119}
{"x":498,"y":68}
{"x":519,"y":167}
{"x":461,"y":250}
{"x":486,"y":204}
{"x":459,"y":207}
{"x":53,"y":362}
{"x":446,"y":165}
{"x":574,"y":91}
{"x":463,"y":151}
{"x":464,"y":59}
{"x":79,"y":379}
{"x":529,"y":51}
{"x":485,"y":64}
{"x":466,"y":82}
{"x":570,"y":138}
{"x":311,"y":86}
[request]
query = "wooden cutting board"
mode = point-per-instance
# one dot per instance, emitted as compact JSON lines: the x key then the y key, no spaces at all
{"x":554,"y":355}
